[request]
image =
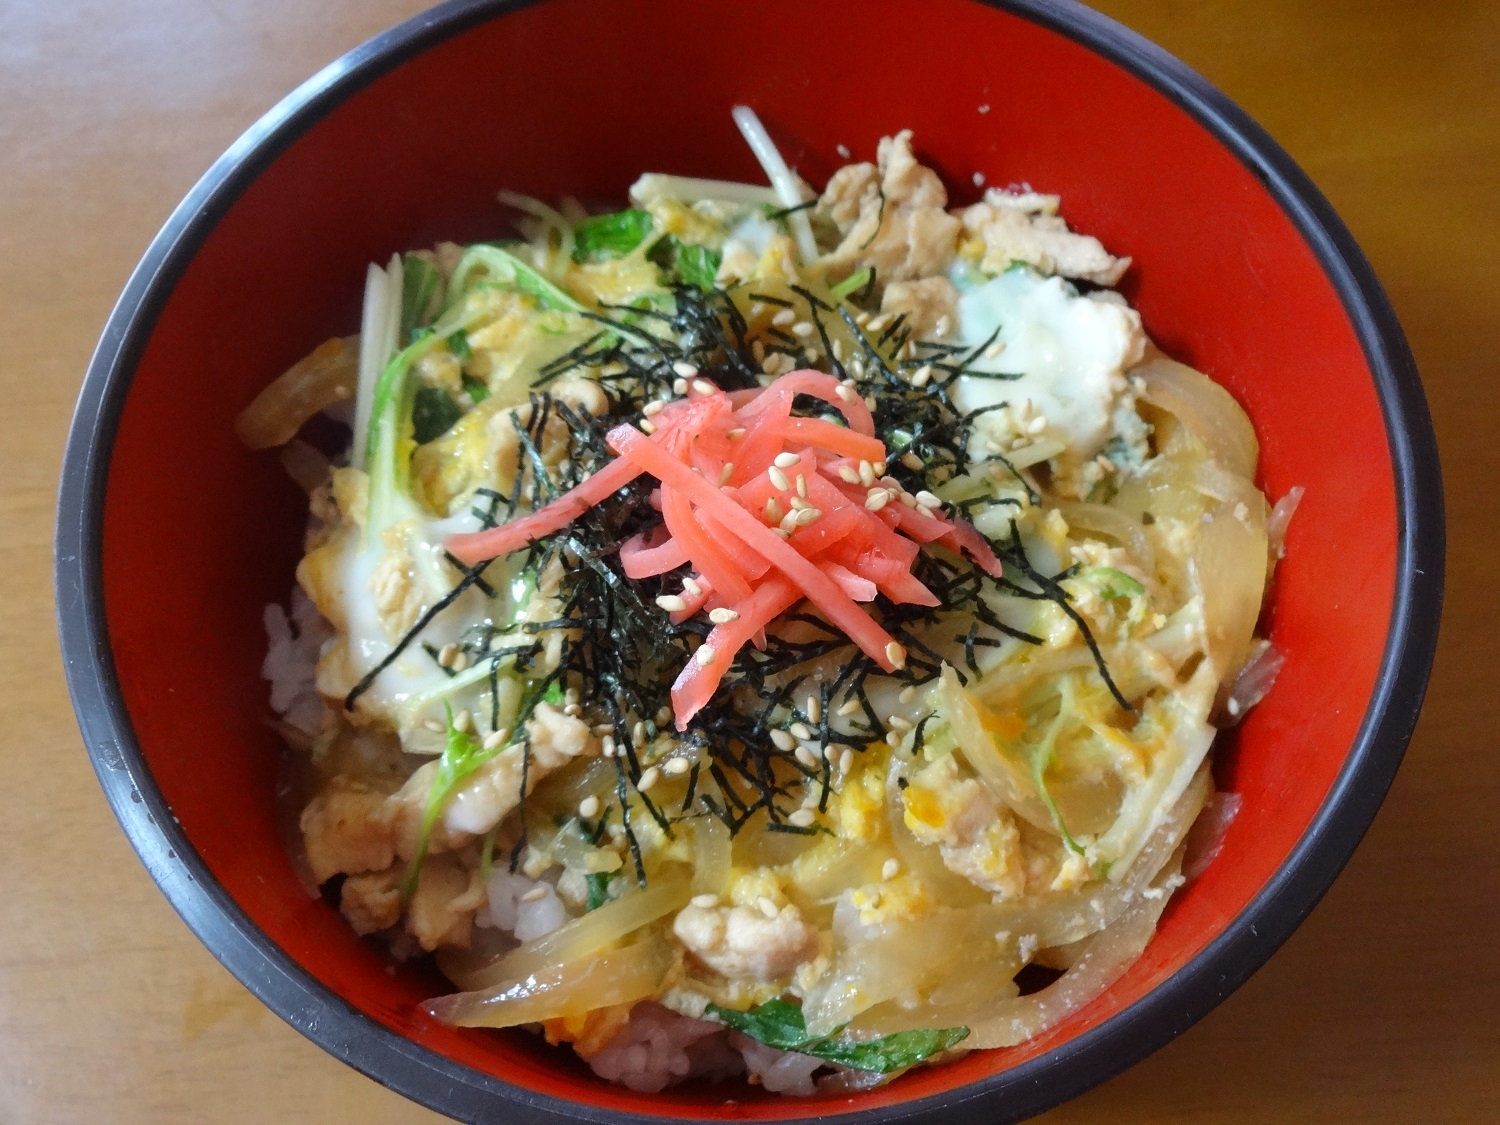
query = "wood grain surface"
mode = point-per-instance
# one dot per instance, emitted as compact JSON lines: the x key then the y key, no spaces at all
{"x":1382,"y":1006}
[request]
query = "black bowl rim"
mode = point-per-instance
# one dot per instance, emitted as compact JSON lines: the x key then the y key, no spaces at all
{"x":1029,"y":1088}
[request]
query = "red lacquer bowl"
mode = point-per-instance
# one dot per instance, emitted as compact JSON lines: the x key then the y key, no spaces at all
{"x":171,"y":537}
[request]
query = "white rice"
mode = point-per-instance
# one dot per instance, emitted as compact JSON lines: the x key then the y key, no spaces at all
{"x":296,"y":640}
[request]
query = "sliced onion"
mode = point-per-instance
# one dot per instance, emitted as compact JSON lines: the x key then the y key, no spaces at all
{"x":1117,"y":525}
{"x":1205,"y":408}
{"x":1229,"y":568}
{"x":572,"y":988}
{"x":1254,"y":681}
{"x":318,"y":380}
{"x":1281,"y":516}
{"x":1008,"y":780}
{"x":1206,"y":839}
{"x":712,"y":855}
{"x":1108,"y":956}
{"x":583,"y":937}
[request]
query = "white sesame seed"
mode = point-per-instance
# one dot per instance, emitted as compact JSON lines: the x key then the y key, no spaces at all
{"x":849,"y":474}
{"x":845,"y":393}
{"x":638,"y":733}
{"x":877,"y":323}
{"x":433,"y":725}
{"x":890,"y":869}
{"x":706,"y":655}
{"x":783,"y":317}
{"x":801,"y":483}
{"x":994,"y":350}
{"x":671,"y":603}
{"x":758,"y":350}
{"x":778,"y":478}
{"x":705,"y":902}
{"x":838,"y":349}
{"x":773,"y":510}
{"x":1037,"y":425}
{"x":802,"y":330}
{"x":814,"y":709}
{"x":647,"y":428}
{"x":460,"y":661}
{"x":664,"y":716}
{"x":908,"y":499}
{"x":781,"y":531}
{"x":920,"y":376}
{"x":463,"y":721}
{"x":870,"y":403}
{"x":767,"y":907}
{"x":650,"y":776}
{"x":928,"y":500}
{"x":862,"y":319}
{"x":908,"y":693}
{"x":607,"y":746}
{"x":723,"y":615}
{"x":572,"y":710}
{"x":798,"y":504}
{"x":679,"y":386}
{"x":807,"y":757}
{"x":588,"y":808}
{"x":876,"y":499}
{"x":899,"y":722}
{"x":692,"y":587}
{"x":979,"y":179}
{"x":536,"y":894}
{"x":653,"y":408}
{"x":847,"y":708}
{"x":684,"y":368}
{"x":676,"y":766}
{"x":446,"y":654}
{"x":786,"y":460}
{"x":807,"y":516}
{"x":800,"y":730}
{"x":736,"y":433}
{"x":896,"y":654}
{"x":496,"y":738}
{"x":802,"y":818}
{"x":789,"y":522}
{"x":866,"y":474}
{"x":911,"y":461}
{"x":703,"y":387}
{"x":846,"y":761}
{"x":726,"y":472}
{"x":782,"y":740}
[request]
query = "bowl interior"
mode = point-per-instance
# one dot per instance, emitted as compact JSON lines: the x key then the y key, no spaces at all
{"x":577,"y":97}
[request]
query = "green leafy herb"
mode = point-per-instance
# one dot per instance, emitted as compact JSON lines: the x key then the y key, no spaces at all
{"x":420,"y":282}
{"x":433,"y":413}
{"x":598,"y":883}
{"x":462,"y":755}
{"x":610,"y":236}
{"x":478,"y":389}
{"x":505,"y":268}
{"x":458,"y":344}
{"x":687,"y":264}
{"x":852,"y":284}
{"x":1112,"y":583}
{"x":779,"y":1024}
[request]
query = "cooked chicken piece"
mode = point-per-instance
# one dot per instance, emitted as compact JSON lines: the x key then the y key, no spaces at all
{"x":1026,"y":228}
{"x":351,"y":828}
{"x":372,"y":901}
{"x":975,"y":836}
{"x":930,"y":305}
{"x":741,"y":943}
{"x":442,"y":908}
{"x":891,"y":216}
{"x":348,"y":828}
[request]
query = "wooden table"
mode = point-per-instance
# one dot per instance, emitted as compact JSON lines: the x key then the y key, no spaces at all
{"x":1381,"y":1008}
